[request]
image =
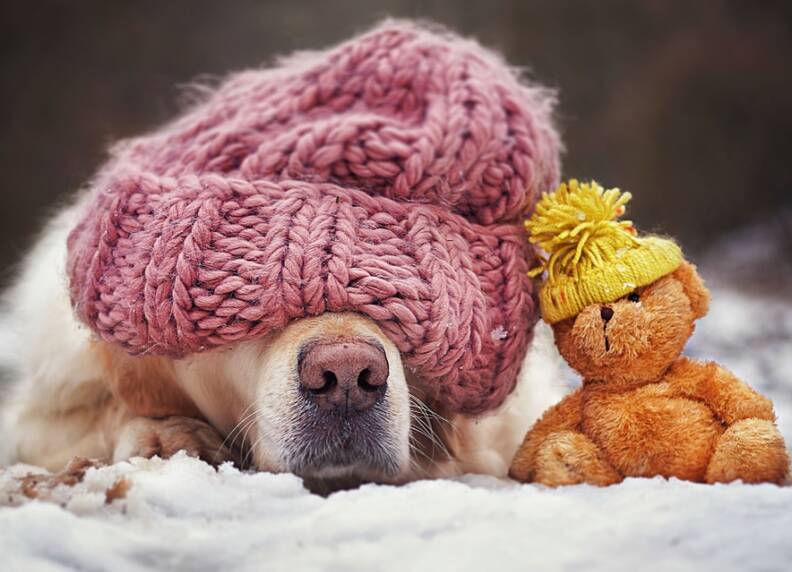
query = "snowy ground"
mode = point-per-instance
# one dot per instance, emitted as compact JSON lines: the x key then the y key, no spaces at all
{"x":183,"y":515}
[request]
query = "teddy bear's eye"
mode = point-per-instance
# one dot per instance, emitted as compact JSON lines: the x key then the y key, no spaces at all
{"x":633,"y":297}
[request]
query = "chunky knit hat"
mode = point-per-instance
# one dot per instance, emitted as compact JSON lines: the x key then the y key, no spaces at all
{"x":592,"y":257}
{"x":387,"y":176}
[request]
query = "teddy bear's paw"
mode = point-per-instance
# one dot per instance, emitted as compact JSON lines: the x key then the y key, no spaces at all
{"x":752,"y":450}
{"x":570,"y":458}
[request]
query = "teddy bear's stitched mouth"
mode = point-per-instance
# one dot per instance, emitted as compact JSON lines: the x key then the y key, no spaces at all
{"x":605,"y":333}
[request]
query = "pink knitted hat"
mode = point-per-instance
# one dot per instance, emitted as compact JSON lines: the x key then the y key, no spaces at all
{"x":387,"y":176}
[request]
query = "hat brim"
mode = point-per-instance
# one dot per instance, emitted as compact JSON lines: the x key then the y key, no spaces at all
{"x":172,"y":266}
{"x":651,"y":258}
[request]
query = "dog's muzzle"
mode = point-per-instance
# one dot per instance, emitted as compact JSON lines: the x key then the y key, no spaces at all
{"x":342,"y":428}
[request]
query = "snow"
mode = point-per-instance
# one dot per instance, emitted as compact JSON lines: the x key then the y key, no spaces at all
{"x":499,"y":333}
{"x":181,"y":514}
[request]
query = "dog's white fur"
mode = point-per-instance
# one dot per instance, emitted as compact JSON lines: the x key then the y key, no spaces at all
{"x":60,"y":403}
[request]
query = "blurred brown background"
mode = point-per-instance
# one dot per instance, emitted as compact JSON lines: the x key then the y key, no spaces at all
{"x":687,"y":104}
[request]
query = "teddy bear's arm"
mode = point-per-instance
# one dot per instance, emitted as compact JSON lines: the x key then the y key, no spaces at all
{"x":565,"y":415}
{"x":730,"y":399}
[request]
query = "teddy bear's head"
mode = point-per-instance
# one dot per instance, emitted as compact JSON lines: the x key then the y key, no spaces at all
{"x":637,"y":337}
{"x":622,"y":306}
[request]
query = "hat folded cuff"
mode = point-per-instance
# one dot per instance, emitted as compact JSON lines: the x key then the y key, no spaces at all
{"x":651,"y":258}
{"x":170,"y":266}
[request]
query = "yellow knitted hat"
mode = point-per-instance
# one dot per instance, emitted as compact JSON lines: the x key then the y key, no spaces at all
{"x":592,"y":258}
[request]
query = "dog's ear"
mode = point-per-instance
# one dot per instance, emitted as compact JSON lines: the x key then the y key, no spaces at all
{"x":697,"y":293}
{"x":145,"y":384}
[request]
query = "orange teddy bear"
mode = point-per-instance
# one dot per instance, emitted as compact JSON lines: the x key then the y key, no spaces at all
{"x":622,"y":308}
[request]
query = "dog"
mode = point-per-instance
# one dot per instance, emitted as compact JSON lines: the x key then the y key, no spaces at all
{"x":327,"y":397}
{"x":318,"y":268}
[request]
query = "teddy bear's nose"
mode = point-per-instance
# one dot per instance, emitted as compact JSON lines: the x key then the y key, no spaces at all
{"x":606,"y":312}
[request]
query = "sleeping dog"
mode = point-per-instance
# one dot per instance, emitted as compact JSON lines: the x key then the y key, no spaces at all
{"x":300,"y":399}
{"x":320,"y":269}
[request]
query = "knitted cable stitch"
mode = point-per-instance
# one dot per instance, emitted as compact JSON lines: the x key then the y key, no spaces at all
{"x":387,"y":176}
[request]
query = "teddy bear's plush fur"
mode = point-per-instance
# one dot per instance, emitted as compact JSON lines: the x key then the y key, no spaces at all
{"x":645,"y":410}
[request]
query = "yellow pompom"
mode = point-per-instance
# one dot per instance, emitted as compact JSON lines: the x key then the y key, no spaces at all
{"x":577,"y":224}
{"x":591,"y":255}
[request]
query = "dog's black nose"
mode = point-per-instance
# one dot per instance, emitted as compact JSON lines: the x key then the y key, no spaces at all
{"x":606,"y":312}
{"x":348,"y":375}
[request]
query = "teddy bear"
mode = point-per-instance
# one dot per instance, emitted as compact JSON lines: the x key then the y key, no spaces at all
{"x":622,"y":307}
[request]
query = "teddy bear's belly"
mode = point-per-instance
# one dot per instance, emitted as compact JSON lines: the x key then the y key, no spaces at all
{"x":672,"y":437}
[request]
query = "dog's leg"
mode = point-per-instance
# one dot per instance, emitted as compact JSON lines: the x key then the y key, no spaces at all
{"x":146,"y":437}
{"x":107,"y":432}
{"x":50,"y":438}
{"x":69,"y":395}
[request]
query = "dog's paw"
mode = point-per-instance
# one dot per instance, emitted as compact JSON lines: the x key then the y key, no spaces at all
{"x":145,"y":437}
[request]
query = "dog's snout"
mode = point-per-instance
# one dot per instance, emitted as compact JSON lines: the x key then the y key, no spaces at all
{"x":350,"y":375}
{"x":606,"y":312}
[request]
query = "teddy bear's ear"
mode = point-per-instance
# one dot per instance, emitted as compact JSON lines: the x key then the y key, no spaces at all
{"x":694,"y":287}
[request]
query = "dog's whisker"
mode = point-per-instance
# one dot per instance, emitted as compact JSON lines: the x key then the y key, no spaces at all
{"x":427,"y":415}
{"x":243,"y":418}
{"x":422,"y":422}
{"x":423,"y":427}
{"x":417,"y":469}
{"x":417,"y":404}
{"x":250,"y":424}
{"x":416,"y":465}
{"x":236,"y":428}
{"x":431,"y":438}
{"x":428,"y":410}
{"x":251,"y":451}
{"x":424,"y":419}
{"x":249,"y":421}
{"x":243,"y":429}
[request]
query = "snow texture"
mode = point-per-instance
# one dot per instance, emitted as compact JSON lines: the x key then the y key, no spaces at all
{"x":183,"y":515}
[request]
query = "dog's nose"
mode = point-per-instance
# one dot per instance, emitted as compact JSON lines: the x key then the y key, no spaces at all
{"x":349,"y":375}
{"x":606,"y":312}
